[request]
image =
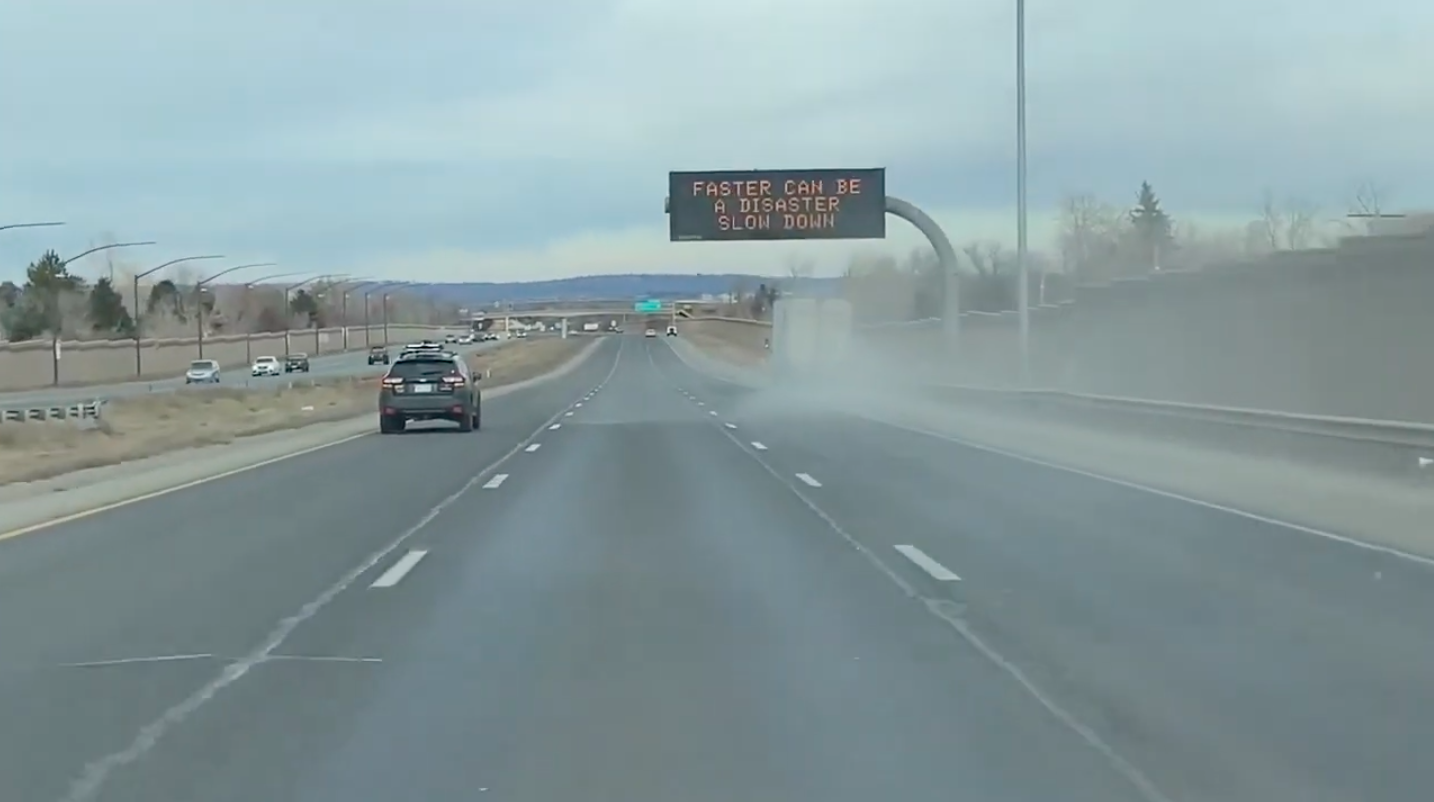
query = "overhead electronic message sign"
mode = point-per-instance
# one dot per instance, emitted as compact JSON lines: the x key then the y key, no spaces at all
{"x":777,"y":204}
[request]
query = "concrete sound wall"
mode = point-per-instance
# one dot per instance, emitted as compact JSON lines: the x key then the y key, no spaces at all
{"x":1344,"y":331}
{"x":31,"y":364}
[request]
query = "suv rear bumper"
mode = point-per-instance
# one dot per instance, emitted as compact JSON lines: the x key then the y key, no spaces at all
{"x":445,"y":407}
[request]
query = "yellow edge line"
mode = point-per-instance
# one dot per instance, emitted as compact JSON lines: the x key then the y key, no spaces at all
{"x":114,"y":505}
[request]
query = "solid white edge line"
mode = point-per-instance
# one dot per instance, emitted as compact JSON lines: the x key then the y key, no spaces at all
{"x":400,"y":569}
{"x":934,"y":569}
{"x":1209,"y":505}
{"x":534,"y":447}
{"x":496,"y":482}
{"x":758,"y":446}
{"x":808,"y":480}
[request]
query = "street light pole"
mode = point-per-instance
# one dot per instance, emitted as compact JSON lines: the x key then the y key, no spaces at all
{"x":288,"y":310}
{"x":344,"y":307}
{"x":248,"y":333}
{"x":333,"y":280}
{"x":53,"y":302}
{"x":138,"y":357}
{"x":367,"y":332}
{"x":199,"y":298}
{"x":1022,"y":267}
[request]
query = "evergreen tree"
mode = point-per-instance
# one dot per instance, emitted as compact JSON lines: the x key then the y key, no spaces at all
{"x":1151,"y":225}
{"x":107,"y":312}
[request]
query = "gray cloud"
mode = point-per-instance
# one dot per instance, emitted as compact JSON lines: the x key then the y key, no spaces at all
{"x":450,"y":136}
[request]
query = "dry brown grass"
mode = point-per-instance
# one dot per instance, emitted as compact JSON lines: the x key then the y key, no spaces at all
{"x":135,"y":428}
{"x":737,"y":343}
{"x":519,"y":360}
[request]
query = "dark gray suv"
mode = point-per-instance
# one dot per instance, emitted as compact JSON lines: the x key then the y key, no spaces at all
{"x":429,"y":385}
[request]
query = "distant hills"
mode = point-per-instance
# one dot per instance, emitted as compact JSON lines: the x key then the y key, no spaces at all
{"x":632,"y":285}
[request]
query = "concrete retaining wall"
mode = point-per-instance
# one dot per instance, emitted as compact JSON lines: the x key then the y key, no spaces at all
{"x":1345,"y":331}
{"x":32,"y":364}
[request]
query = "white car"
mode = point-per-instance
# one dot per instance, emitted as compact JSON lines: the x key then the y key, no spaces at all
{"x":267,"y":366}
{"x":202,"y":371}
{"x":650,"y":333}
{"x":466,"y":339}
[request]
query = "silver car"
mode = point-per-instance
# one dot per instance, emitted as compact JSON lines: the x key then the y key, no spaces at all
{"x":202,"y":371}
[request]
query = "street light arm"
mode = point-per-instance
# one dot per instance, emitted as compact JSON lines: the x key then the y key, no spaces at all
{"x":9,"y":226}
{"x":173,"y":262}
{"x":227,"y":271}
{"x":110,"y":246}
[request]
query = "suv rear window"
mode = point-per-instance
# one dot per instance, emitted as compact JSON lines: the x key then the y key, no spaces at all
{"x":422,"y":368}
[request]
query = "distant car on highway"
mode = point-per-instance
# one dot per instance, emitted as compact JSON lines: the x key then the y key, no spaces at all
{"x":490,"y":336}
{"x":378,"y":354}
{"x":522,"y":334}
{"x":202,"y":371}
{"x":450,"y":338}
{"x":296,"y":363}
{"x":650,"y":333}
{"x":425,"y":385}
{"x":465,"y":339}
{"x":266,"y":366}
{"x":671,"y":331}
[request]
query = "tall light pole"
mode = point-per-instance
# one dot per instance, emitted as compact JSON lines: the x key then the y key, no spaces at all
{"x":1022,"y":267}
{"x":331,"y":280}
{"x":367,"y":331}
{"x":52,"y":312}
{"x":138,"y":355}
{"x":288,"y":310}
{"x":248,"y":333}
{"x":356,"y":282}
{"x":199,"y":298}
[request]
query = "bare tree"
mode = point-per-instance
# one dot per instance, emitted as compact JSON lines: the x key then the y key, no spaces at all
{"x":800,"y":267}
{"x":1091,"y":234}
{"x":1292,"y":225}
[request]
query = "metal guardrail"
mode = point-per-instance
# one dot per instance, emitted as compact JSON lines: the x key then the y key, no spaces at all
{"x":85,"y":410}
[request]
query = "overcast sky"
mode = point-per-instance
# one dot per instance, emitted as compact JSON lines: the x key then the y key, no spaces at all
{"x":474,"y":140}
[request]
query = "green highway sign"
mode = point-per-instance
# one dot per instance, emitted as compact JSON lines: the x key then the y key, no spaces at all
{"x":647,"y":306}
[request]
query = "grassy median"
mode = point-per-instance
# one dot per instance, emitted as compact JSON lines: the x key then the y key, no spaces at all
{"x":135,"y":428}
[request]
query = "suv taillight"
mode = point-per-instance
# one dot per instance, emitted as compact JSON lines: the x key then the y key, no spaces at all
{"x":392,"y":381}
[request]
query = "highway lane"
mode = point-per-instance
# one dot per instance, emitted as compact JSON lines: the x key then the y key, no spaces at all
{"x":210,"y":570}
{"x":1227,"y":658}
{"x":328,"y":366}
{"x":637,"y":610}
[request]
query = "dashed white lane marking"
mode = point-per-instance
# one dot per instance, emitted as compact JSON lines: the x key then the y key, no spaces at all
{"x":700,"y":404}
{"x":578,"y":404}
{"x":534,"y":447}
{"x":934,"y":569}
{"x":91,"y":782}
{"x":758,"y":446}
{"x":400,"y":569}
{"x":555,"y":427}
{"x":567,"y":414}
{"x":730,"y":425}
{"x":807,"y":478}
{"x":712,"y":412}
{"x":496,"y":482}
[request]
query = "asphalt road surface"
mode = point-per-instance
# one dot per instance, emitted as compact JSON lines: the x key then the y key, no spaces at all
{"x":320,"y":367}
{"x":637,"y":599}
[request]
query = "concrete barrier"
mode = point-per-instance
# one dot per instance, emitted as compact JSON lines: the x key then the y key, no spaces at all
{"x":32,"y":364}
